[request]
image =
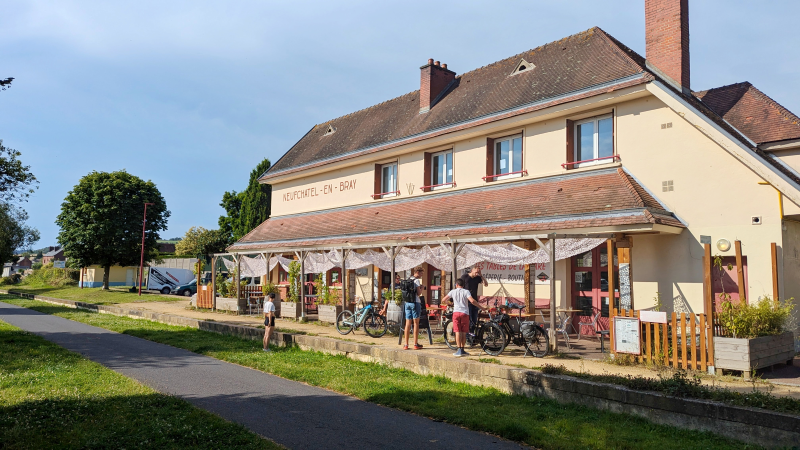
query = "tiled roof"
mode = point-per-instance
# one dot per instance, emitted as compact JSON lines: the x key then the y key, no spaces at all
{"x":579,"y":62}
{"x":753,"y":113}
{"x":586,"y":199}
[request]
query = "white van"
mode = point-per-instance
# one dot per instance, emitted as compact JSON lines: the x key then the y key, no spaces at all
{"x":165,"y":280}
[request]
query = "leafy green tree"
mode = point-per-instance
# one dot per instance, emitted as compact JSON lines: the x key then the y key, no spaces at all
{"x":39,"y":254}
{"x":101,"y":220}
{"x":16,"y":180}
{"x":14,"y":233}
{"x":249,"y":208}
{"x":199,"y":241}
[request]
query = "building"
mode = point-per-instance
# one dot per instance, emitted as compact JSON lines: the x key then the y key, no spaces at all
{"x":581,"y":137}
{"x":54,"y":254}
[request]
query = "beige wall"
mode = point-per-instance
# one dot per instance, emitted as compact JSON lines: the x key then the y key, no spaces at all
{"x":790,"y":157}
{"x":714,"y":194}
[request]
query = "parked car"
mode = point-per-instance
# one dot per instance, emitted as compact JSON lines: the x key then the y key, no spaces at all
{"x":187,"y":289}
{"x":166,"y":280}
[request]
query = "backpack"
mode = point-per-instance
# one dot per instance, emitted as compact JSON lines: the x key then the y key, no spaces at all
{"x":409,"y":290}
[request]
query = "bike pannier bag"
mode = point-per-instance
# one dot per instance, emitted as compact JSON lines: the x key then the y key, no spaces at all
{"x":527,"y":329}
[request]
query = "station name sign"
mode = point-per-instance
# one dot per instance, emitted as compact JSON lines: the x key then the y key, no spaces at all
{"x":320,"y":190}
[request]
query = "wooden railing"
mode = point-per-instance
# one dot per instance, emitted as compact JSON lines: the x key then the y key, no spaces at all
{"x":686,"y":341}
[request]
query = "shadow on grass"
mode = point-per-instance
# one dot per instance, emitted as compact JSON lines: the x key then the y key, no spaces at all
{"x":136,"y":421}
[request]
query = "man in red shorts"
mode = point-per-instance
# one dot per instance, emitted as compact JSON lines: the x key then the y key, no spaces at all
{"x":461,"y":299}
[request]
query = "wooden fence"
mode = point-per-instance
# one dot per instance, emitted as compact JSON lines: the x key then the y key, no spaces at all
{"x":686,"y":341}
{"x":205,"y":298}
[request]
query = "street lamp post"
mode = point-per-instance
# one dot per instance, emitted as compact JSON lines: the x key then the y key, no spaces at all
{"x":141,"y":261}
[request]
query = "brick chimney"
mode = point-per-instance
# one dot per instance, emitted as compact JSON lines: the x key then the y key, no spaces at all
{"x":667,"y":37}
{"x":434,"y":79}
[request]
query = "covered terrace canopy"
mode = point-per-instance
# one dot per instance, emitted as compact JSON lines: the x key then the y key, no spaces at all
{"x":578,"y":211}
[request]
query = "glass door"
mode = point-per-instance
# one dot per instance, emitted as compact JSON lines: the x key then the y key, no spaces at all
{"x":590,"y":292}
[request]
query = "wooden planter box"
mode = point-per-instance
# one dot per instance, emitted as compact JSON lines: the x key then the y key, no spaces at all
{"x":329,"y":313}
{"x":290,"y":310}
{"x":757,"y":353}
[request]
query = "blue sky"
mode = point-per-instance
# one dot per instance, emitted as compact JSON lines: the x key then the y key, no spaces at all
{"x":193,"y":94}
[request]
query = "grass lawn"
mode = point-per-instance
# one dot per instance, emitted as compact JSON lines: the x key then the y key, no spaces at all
{"x":536,"y":421}
{"x":53,"y":398}
{"x":93,"y":295}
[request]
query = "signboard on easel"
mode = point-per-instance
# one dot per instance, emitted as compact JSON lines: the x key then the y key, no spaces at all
{"x":627,"y":335}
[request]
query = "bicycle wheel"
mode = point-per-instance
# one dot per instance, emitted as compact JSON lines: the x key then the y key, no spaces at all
{"x":375,"y":325}
{"x":539,"y":344}
{"x":450,"y":335}
{"x":345,"y":322}
{"x":492,"y":338}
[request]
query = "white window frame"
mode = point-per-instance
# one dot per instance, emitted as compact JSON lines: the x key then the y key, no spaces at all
{"x":499,"y":176}
{"x":596,"y":140}
{"x":448,"y":184}
{"x":393,"y":192}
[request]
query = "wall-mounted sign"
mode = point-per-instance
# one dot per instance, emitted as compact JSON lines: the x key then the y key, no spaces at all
{"x":514,"y":273}
{"x":653,"y":316}
{"x":627,"y":336}
{"x":60,"y":264}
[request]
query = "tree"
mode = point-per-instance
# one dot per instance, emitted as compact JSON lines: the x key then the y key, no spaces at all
{"x":14,"y":233}
{"x":201,"y":242}
{"x":101,"y":220}
{"x":16,"y":179}
{"x":249,"y":208}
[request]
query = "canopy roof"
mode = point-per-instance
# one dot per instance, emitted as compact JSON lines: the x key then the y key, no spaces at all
{"x":601,"y":198}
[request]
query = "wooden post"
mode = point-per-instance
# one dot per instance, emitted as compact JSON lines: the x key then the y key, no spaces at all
{"x":737,"y":244}
{"x":610,"y":267}
{"x":674,"y":345}
{"x":703,"y":350}
{"x":683,"y":340}
{"x":238,"y":284}
{"x":693,"y":334}
{"x":344,"y":280}
{"x":83,"y":270}
{"x":527,"y":279}
{"x":552,"y":331}
{"x":303,"y":286}
{"x":624,"y":257}
{"x":775,"y":292}
{"x":708,"y":303}
{"x":213,"y":283}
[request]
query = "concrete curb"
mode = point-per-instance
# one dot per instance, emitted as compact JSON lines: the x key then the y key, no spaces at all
{"x":757,"y":426}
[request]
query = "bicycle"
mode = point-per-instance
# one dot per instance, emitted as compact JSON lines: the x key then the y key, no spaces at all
{"x":375,"y":325}
{"x":531,"y":335}
{"x":488,"y":335}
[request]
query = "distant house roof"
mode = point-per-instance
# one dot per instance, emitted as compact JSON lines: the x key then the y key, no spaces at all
{"x":589,"y":199}
{"x":54,"y":252}
{"x":752,"y":112}
{"x":562,"y":69}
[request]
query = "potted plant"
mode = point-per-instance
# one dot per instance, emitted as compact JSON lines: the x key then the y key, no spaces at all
{"x":270,"y":288}
{"x":329,"y":304}
{"x":291,"y":307}
{"x":393,"y":312}
{"x":758,"y":335}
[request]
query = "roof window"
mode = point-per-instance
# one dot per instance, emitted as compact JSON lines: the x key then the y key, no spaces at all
{"x":522,"y":66}
{"x":330,"y":130}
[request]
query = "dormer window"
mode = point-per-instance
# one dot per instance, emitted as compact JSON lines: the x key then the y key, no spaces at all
{"x":330,"y":130}
{"x":522,"y":66}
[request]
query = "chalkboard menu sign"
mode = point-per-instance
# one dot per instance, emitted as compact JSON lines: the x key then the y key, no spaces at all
{"x":625,"y":286}
{"x":627,"y":336}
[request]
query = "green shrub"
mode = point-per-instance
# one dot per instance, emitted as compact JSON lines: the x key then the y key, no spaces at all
{"x":294,"y":281}
{"x":6,"y":281}
{"x":766,"y":317}
{"x":37,"y":266}
{"x":47,"y":275}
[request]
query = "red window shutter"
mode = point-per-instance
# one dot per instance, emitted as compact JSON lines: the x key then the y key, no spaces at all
{"x":489,"y":158}
{"x":378,"y":179}
{"x":570,"y":142}
{"x":426,"y":181}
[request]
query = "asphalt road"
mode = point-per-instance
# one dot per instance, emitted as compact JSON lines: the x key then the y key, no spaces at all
{"x":293,"y":414}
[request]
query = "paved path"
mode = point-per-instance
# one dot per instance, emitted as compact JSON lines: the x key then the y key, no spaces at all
{"x":290,"y":413}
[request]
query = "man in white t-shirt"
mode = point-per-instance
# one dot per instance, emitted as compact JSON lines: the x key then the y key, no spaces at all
{"x":461,"y":300}
{"x":269,"y":320}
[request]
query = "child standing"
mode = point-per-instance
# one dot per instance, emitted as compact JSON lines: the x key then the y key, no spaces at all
{"x":269,"y":320}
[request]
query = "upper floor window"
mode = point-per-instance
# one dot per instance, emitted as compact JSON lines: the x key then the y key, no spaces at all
{"x":508,"y":157}
{"x":441,"y":170}
{"x":594,"y":140}
{"x":385,"y":180}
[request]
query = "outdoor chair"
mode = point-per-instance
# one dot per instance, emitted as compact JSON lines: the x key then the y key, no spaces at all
{"x":562,"y":328}
{"x":592,"y":324}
